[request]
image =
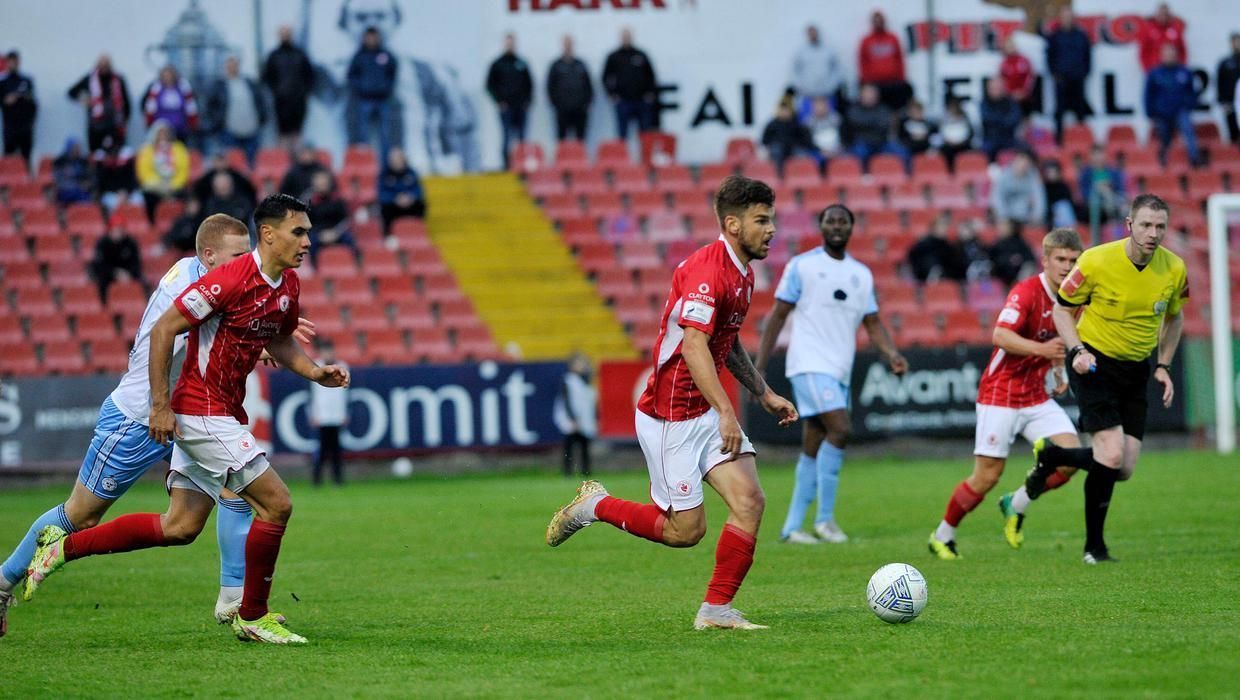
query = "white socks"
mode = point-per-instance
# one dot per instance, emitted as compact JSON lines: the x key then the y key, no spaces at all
{"x":1020,"y":500}
{"x":945,"y":533}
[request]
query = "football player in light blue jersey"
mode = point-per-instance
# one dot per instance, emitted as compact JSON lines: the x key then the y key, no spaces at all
{"x":829,"y":295}
{"x":122,"y":449}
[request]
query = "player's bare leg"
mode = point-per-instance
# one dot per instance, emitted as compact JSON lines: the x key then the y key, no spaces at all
{"x":736,"y":481}
{"x":273,"y":506}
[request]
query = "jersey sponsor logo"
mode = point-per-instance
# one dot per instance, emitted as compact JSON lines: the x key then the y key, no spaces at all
{"x":698,"y":312}
{"x":695,"y":296}
{"x":1073,"y":283}
{"x":196,"y":304}
{"x":215,"y":290}
{"x":1009,"y":315}
{"x":283,"y":303}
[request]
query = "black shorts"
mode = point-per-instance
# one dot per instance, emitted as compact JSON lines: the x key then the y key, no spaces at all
{"x":1113,"y":395}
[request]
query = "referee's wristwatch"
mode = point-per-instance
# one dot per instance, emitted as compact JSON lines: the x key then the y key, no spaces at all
{"x":1162,"y":365}
{"x":1073,"y":351}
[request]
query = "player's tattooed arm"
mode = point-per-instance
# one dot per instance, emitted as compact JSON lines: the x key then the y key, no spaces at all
{"x":741,"y":366}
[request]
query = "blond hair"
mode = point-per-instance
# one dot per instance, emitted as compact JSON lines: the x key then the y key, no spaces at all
{"x":1062,"y":238}
{"x":214,"y":228}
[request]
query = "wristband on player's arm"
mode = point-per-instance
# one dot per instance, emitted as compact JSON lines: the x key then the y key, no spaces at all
{"x":1162,"y":365}
{"x":1073,"y":352}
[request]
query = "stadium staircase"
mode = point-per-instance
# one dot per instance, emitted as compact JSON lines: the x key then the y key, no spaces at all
{"x":514,"y":267}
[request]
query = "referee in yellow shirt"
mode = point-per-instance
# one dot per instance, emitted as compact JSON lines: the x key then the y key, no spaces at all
{"x":1132,"y":291}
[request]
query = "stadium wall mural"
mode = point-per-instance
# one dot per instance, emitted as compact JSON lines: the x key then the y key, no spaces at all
{"x":717,"y":79}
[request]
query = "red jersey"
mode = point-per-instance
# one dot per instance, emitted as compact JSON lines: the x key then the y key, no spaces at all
{"x":880,"y":59}
{"x":710,"y":292}
{"x":1019,"y":381}
{"x":1153,"y":36}
{"x":234,"y":311}
{"x":1017,"y":74}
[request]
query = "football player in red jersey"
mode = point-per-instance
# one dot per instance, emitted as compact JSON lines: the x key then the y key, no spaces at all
{"x":1012,"y":398}
{"x":686,"y":424}
{"x":232,"y":314}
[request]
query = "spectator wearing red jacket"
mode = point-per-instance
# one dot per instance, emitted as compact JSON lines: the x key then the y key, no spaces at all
{"x":1158,"y":31}
{"x":880,"y":62}
{"x":1018,"y":77}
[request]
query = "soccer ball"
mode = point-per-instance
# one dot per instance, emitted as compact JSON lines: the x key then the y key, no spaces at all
{"x":897,"y":593}
{"x":402,"y":468}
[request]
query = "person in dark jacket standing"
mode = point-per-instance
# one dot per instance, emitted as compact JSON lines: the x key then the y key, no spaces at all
{"x":106,"y":98}
{"x":1001,"y":117}
{"x":1226,"y":78}
{"x":570,"y":92}
{"x":19,"y":108}
{"x":1069,"y":57}
{"x":289,"y":76}
{"x":511,"y":87}
{"x":235,"y":111}
{"x":1170,"y":96}
{"x":372,"y":84}
{"x":629,"y":80}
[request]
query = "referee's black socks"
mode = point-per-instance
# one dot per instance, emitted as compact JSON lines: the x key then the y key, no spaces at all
{"x":1098,"y":488}
{"x":1078,"y":457}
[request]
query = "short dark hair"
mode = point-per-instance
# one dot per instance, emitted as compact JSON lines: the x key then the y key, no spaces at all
{"x":852,"y":219}
{"x":1148,"y":201}
{"x":737,"y":193}
{"x":274,"y":208}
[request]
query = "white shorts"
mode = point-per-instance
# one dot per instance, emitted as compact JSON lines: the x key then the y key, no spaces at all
{"x":679,"y":454}
{"x":215,"y":452}
{"x":998,"y":426}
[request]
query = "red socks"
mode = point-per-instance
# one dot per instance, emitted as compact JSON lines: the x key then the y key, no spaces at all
{"x":733,"y":557}
{"x":1055,"y":480}
{"x":964,"y":499}
{"x":262,"y":546}
{"x":641,"y":519}
{"x":124,"y":534}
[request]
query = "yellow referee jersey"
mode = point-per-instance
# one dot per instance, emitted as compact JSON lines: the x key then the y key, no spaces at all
{"x":1125,"y":305}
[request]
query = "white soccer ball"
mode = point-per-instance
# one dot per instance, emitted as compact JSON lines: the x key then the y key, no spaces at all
{"x":402,"y":467}
{"x":897,"y":593}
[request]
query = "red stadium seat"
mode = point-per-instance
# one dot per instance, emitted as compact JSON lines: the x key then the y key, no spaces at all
{"x":11,"y":330}
{"x":604,"y":204}
{"x":612,"y":154}
{"x":666,"y":226}
{"x":901,"y":299}
{"x":631,"y":178}
{"x":711,"y":174}
{"x":24,"y":274}
{"x":64,"y":358}
{"x":85,"y":219}
{"x":368,"y":317}
{"x":52,"y":330}
{"x":1203,"y":183}
{"x":739,"y":151}
{"x":906,"y":195}
{"x":96,"y":327}
{"x":270,"y":165}
{"x":41,"y":223}
{"x":929,"y":168}
{"x":658,"y":148}
{"x":413,"y":313}
{"x":760,"y":170}
{"x":336,"y":262}
{"x":860,"y":197}
{"x":843,"y":171}
{"x":359,"y":161}
{"x":886,"y":169}
{"x":648,"y":203}
{"x":127,"y":295}
{"x":527,"y":158}
{"x":13,"y":170}
{"x":674,"y":179}
{"x":801,"y":173}
{"x":636,"y":254}
{"x":82,"y":301}
{"x":571,"y":155}
{"x":395,"y":289}
{"x":1122,"y":135}
{"x":351,"y":291}
{"x":35,"y":303}
{"x":942,"y":297}
{"x":432,"y":345}
{"x":1078,"y":139}
{"x":588,"y":182}
{"x":614,"y":282}
{"x":546,"y":182}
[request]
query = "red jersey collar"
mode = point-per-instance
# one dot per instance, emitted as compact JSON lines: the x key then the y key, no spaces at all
{"x":258,"y":260}
{"x":732,"y":254}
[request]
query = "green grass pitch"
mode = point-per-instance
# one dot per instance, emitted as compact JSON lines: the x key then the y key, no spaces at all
{"x":441,"y":587}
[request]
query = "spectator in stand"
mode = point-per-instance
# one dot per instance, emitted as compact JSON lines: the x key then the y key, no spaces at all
{"x":933,"y":257}
{"x":628,"y":78}
{"x":880,"y":62}
{"x":116,"y":257}
{"x":162,"y":166}
{"x":171,"y":99}
{"x":510,"y":85}
{"x":116,"y":175}
{"x":1170,"y":95}
{"x":955,"y":131}
{"x":868,"y":126}
{"x":1102,"y":186}
{"x":570,"y":92}
{"x":19,"y":107}
{"x":1069,"y":56}
{"x":1011,"y":257}
{"x":106,"y":98}
{"x":1001,"y":118}
{"x":71,"y":171}
{"x":575,"y":412}
{"x":916,"y":133}
{"x":1017,"y":194}
{"x":816,"y":72}
{"x":1018,"y":77}
{"x":372,"y":83}
{"x":330,"y":215}
{"x":184,"y":230}
{"x":328,"y":412}
{"x":973,"y":255}
{"x":1060,"y":207}
{"x":1157,"y":32}
{"x":296,"y":182}
{"x":241,"y":184}
{"x":785,"y":137}
{"x":400,"y":191}
{"x":289,"y":75}
{"x":236,"y":111}
{"x":825,"y":128}
{"x":1227,"y":76}
{"x":225,"y":199}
